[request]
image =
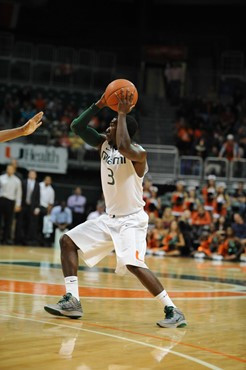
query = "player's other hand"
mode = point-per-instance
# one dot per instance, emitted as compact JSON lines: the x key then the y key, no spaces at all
{"x":32,"y":124}
{"x":125,"y":99}
{"x":101,"y":102}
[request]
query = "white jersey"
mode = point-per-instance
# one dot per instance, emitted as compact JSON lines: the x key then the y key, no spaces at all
{"x":122,"y":187}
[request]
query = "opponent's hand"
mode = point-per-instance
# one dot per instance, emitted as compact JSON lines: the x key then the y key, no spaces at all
{"x":125,"y":101}
{"x":32,"y":125}
{"x":101,"y":102}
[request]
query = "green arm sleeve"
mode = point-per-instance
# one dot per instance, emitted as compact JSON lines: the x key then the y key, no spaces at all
{"x":80,"y":127}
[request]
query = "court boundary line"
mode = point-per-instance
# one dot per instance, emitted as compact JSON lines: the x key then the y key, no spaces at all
{"x":187,"y":357}
{"x":45,"y":264}
{"x":233,"y":288}
{"x":130,"y":298}
{"x":157,"y":337}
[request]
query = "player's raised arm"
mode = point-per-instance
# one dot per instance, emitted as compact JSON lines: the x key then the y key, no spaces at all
{"x":80,"y":125}
{"x":123,"y":141}
{"x":27,"y":129}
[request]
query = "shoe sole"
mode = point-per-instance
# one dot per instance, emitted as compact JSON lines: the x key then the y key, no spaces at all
{"x":71,"y":315}
{"x":180,"y":324}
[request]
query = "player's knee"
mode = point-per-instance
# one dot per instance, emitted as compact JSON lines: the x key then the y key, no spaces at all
{"x":132,"y":269}
{"x":66,"y":242}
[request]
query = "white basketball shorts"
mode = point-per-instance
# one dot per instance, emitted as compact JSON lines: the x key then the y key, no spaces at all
{"x":126,"y":235}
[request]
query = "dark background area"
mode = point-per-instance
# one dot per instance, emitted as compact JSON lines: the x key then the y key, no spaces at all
{"x":124,"y":26}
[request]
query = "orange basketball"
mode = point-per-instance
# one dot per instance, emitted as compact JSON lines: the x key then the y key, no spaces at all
{"x":115,"y":87}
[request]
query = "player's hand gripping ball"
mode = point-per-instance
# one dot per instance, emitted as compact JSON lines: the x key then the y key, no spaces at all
{"x":116,"y":86}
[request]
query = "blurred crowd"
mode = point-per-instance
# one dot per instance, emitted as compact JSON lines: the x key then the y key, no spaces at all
{"x":214,"y":126}
{"x":204,"y":222}
{"x":29,"y":214}
{"x":18,"y":105}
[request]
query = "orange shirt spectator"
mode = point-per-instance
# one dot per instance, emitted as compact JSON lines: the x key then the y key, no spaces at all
{"x":156,"y":235}
{"x":201,"y":217}
{"x":174,"y":240}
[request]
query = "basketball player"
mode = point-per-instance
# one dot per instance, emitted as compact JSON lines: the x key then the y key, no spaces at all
{"x":124,"y":226}
{"x":27,"y":129}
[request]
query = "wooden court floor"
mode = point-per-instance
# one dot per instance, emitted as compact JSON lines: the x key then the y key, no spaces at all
{"x":118,"y":330}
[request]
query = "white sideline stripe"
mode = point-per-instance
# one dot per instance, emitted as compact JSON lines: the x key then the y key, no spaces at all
{"x":187,"y":357}
{"x":131,"y":299}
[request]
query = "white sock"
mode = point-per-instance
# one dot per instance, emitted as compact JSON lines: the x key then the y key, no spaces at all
{"x":71,"y":283}
{"x":164,"y":299}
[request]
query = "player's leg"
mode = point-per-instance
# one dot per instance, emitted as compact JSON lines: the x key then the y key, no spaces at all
{"x":94,"y":243}
{"x":130,"y":248}
{"x":174,"y":317}
{"x":69,"y":305}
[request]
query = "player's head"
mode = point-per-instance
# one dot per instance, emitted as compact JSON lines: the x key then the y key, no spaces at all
{"x":131,"y":124}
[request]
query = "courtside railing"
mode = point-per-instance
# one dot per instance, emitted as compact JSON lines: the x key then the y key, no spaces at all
{"x":162,"y":162}
{"x":238,"y":170}
{"x":190,"y":167}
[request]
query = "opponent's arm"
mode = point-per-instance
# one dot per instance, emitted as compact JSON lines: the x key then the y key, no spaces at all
{"x":27,"y":129}
{"x":123,"y":141}
{"x":80,"y":125}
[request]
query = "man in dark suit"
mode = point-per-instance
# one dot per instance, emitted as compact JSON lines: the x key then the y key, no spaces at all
{"x":27,"y":224}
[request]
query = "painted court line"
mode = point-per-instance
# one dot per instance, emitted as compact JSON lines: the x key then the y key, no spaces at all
{"x":127,"y":298}
{"x":171,"y":340}
{"x":54,"y":289}
{"x":187,"y":357}
{"x":204,"y":349}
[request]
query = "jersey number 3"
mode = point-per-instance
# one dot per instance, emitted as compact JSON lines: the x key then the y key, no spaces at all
{"x":111,"y":175}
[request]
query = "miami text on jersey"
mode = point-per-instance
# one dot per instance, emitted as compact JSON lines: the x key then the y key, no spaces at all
{"x":115,"y":160}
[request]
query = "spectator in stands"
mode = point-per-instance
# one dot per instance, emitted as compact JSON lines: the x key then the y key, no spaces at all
{"x":231,"y":248}
{"x":174,"y":240}
{"x":239,"y":190}
{"x":184,"y":137}
{"x":199,"y":220}
{"x":10,"y":202}
{"x":178,"y":199}
{"x":221,"y":223}
{"x":61,"y":216}
{"x":187,"y":232}
{"x":47,"y":199}
{"x":77,"y":203}
{"x":146,"y":188}
{"x":27,"y":224}
{"x":211,"y":184}
{"x":221,"y":202}
{"x":76,"y":146}
{"x":64,"y":140}
{"x":47,"y":230}
{"x":27,"y":112}
{"x":100,"y":210}
{"x":230,"y":149}
{"x":167,"y":217}
{"x":191,"y":201}
{"x":155,"y":236}
{"x":204,"y":247}
{"x":39,"y":102}
{"x":153,"y":203}
{"x":201,"y":217}
{"x":239,"y":226}
{"x":201,"y":149}
{"x":238,"y":199}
